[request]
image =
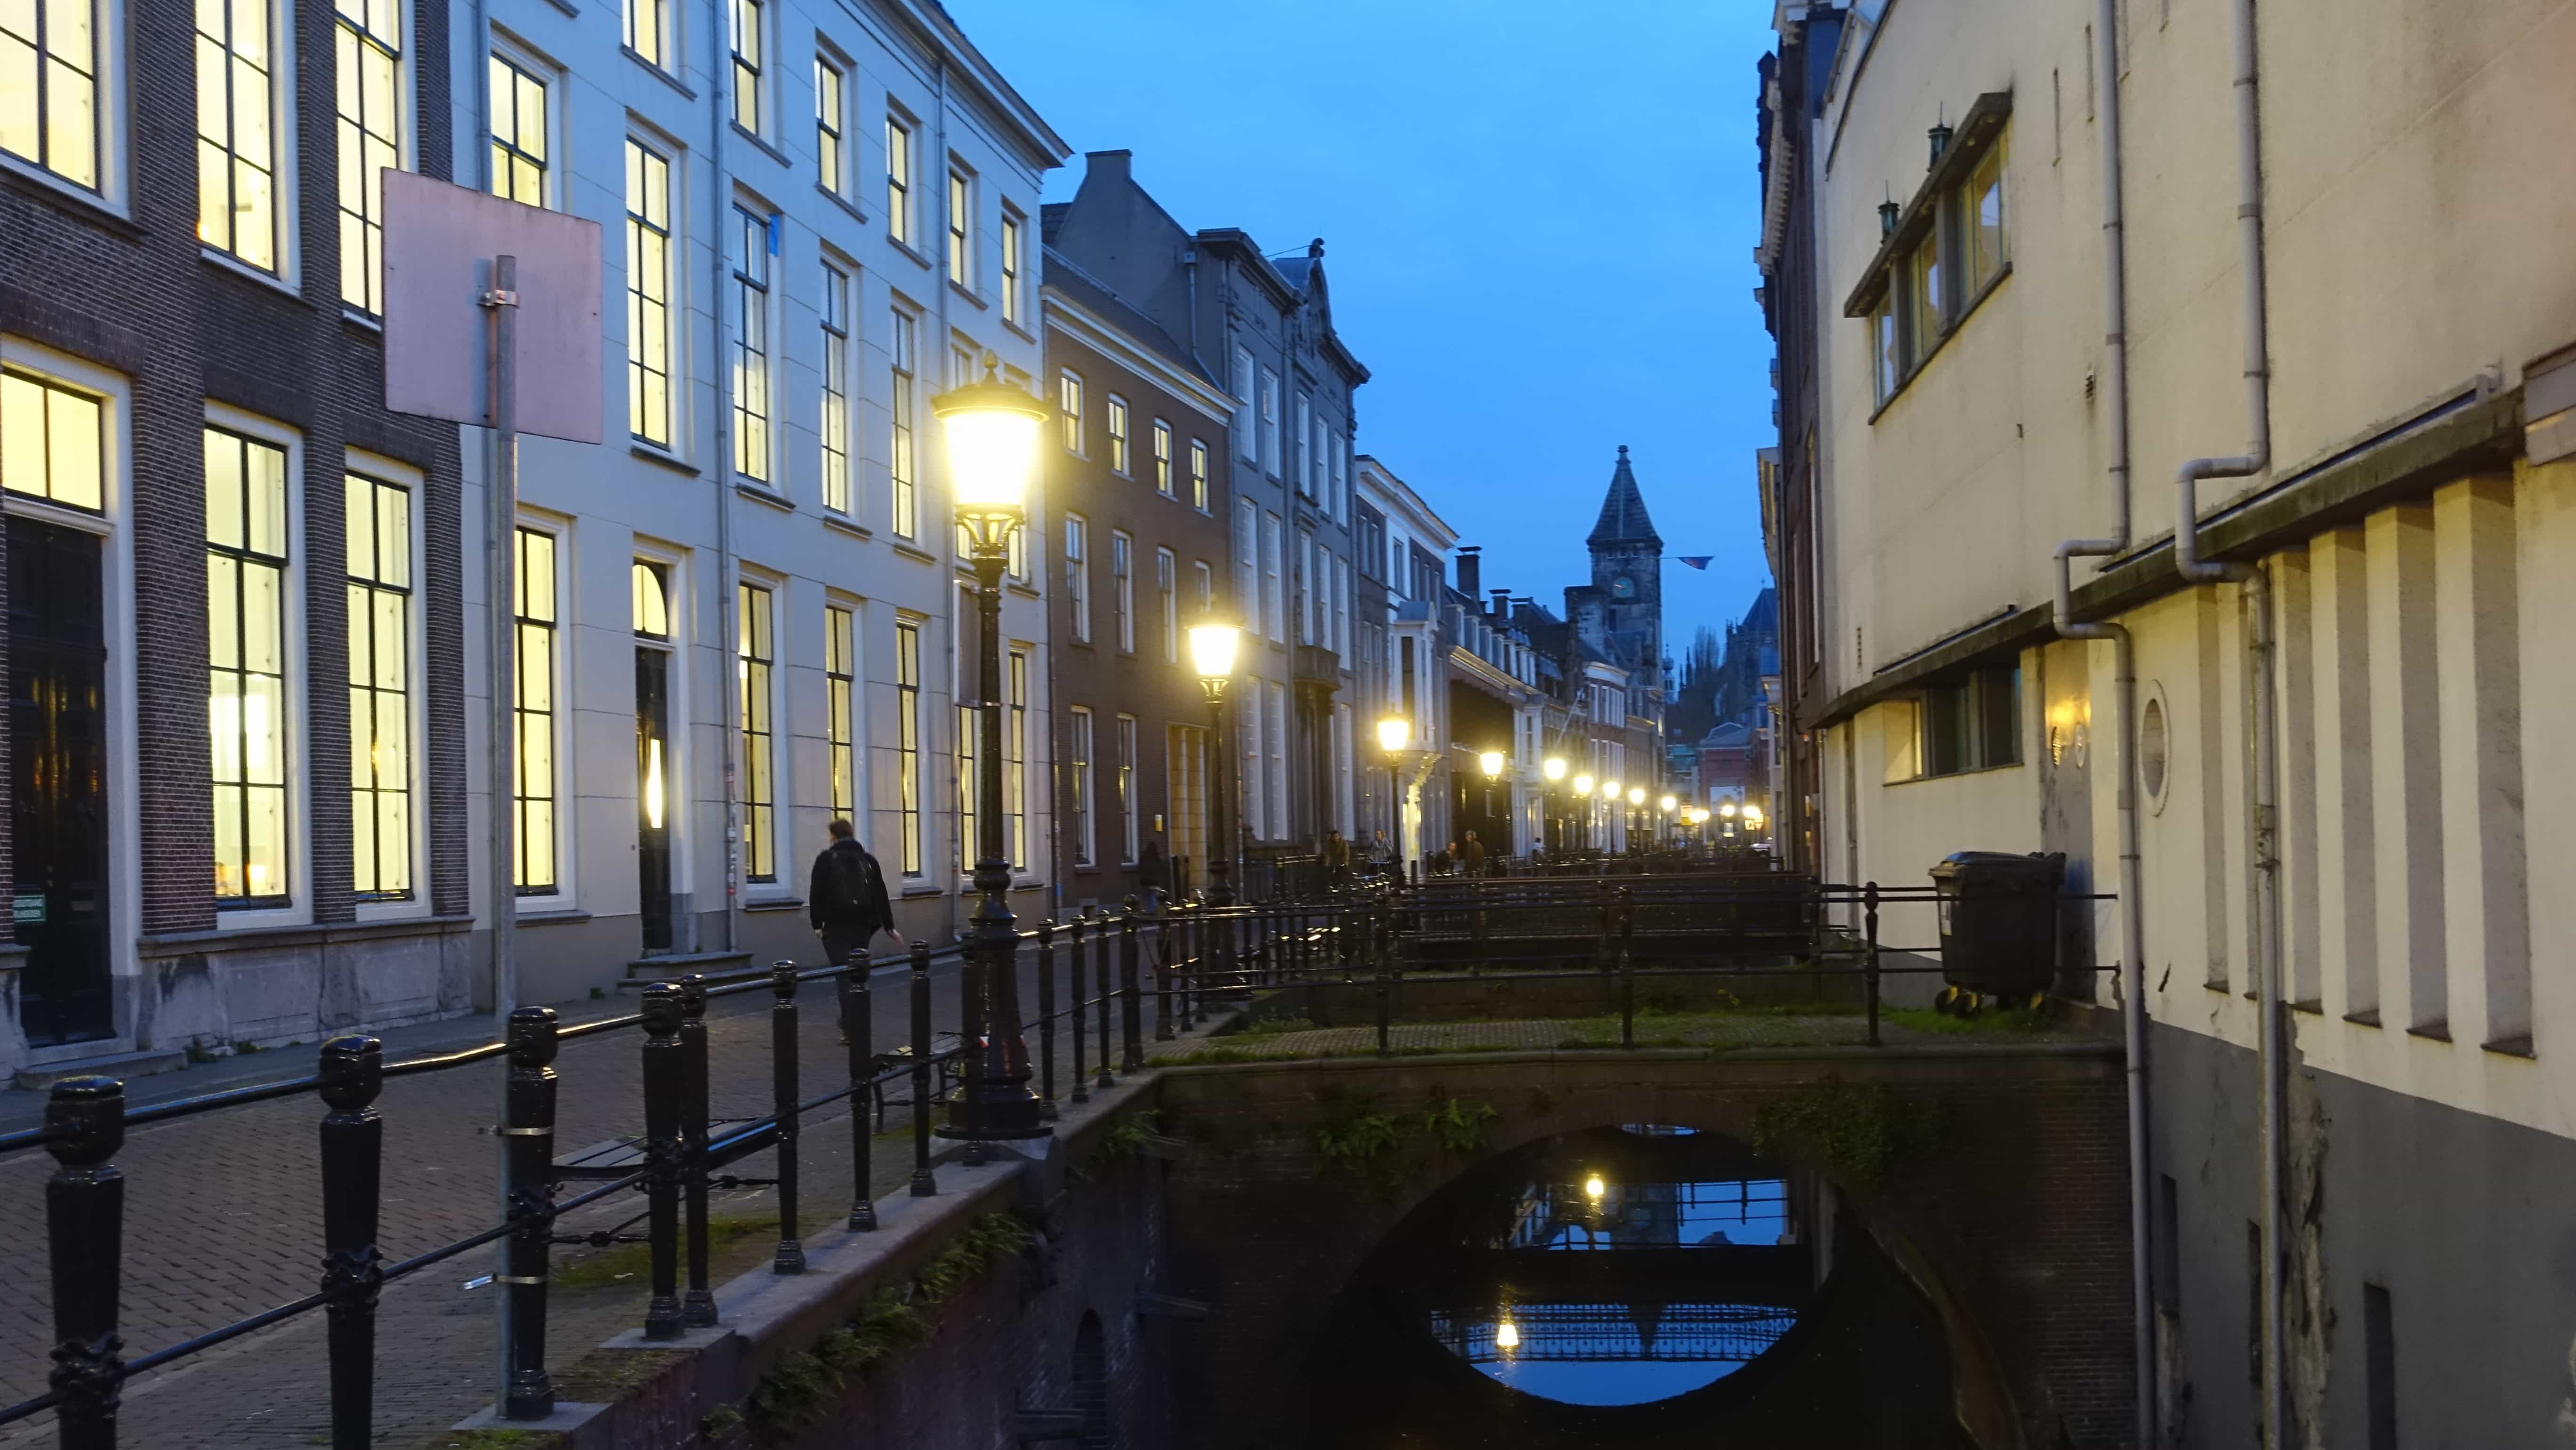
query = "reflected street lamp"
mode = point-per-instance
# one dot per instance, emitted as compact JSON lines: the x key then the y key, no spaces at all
{"x":991,"y":432}
{"x":1392,"y":733}
{"x":1213,"y":646}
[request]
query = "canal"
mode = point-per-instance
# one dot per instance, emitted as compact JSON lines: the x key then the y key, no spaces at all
{"x":1644,"y":1285}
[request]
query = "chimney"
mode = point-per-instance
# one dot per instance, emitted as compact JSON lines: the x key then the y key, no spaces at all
{"x":1503,"y":604}
{"x":1107,"y":165}
{"x":1470,"y":570}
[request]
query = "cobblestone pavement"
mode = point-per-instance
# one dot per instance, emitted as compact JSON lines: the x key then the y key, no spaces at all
{"x":223,"y":1219}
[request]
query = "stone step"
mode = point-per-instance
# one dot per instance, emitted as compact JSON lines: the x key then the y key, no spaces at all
{"x":644,"y":971}
{"x":123,"y":1066}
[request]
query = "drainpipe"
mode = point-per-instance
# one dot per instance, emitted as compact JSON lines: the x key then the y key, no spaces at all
{"x":719,"y":104}
{"x":2133,"y":933}
{"x":2266,"y":885}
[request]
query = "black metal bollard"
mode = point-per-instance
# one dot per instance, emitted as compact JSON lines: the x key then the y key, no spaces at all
{"x":1075,"y":1003}
{"x":353,"y":1145}
{"x":1131,"y":1009}
{"x":528,"y":1132}
{"x":1627,"y":969}
{"x":783,"y":1078}
{"x":922,"y":1184}
{"x":1173,"y":917}
{"x":665,"y":1089}
{"x":1046,"y":1021}
{"x":1102,"y":994}
{"x":858,"y":1030}
{"x":84,"y":1229}
{"x":1869,"y":964}
{"x":698,"y":1305}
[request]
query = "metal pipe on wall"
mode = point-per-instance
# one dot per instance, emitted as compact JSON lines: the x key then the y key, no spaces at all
{"x":719,"y":76}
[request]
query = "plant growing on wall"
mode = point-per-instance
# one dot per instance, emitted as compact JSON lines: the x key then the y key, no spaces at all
{"x":1857,"y":1134}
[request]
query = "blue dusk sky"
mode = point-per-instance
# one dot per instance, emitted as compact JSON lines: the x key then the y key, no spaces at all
{"x":1539,"y":222}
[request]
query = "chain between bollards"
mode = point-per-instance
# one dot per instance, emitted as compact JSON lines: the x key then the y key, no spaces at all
{"x":783,"y":1080}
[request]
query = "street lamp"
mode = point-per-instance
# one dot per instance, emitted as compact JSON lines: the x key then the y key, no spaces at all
{"x":1213,"y":646}
{"x":991,"y":431}
{"x":1553,"y":769}
{"x":1392,"y":733}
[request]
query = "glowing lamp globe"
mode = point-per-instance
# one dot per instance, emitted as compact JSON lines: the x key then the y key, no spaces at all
{"x":1393,"y":732}
{"x":1492,"y":761}
{"x":1213,"y":647}
{"x":992,"y":430}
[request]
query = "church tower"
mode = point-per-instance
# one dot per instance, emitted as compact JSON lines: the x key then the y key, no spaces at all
{"x":1628,"y":582}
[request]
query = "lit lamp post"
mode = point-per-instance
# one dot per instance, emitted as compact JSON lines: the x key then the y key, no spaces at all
{"x":1727,"y":810}
{"x":1553,"y":769}
{"x":1664,"y":828}
{"x":1583,"y":793}
{"x":1213,"y":646}
{"x":991,"y":431}
{"x":1609,"y":810}
{"x":1491,"y":762}
{"x":1636,"y":805}
{"x":1392,"y":733}
{"x":1752,"y":819}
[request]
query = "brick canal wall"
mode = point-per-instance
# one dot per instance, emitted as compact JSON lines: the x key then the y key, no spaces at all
{"x":2010,"y":1214}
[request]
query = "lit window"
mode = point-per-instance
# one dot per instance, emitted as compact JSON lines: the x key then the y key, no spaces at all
{"x":1162,"y":458}
{"x":50,"y":442}
{"x":246,"y":605}
{"x":754,"y":657}
{"x":747,"y":62}
{"x":1077,"y":575}
{"x":647,"y":26}
{"x":751,"y":345}
{"x":1923,"y":276}
{"x":898,"y":180}
{"x":1015,"y":769}
{"x":236,"y":132}
{"x":49,"y":86}
{"x":829,"y":170}
{"x":1129,"y":836}
{"x":899,"y":472}
{"x":532,"y":712}
{"x":961,"y":221}
{"x":1014,"y":232}
{"x":379,"y":537}
{"x":648,"y":294}
{"x":369,"y":37}
{"x":1199,"y":475}
{"x":840,"y":683}
{"x":907,"y":741}
{"x":1122,"y":589}
{"x":833,"y":429}
{"x":518,"y":134}
{"x":966,"y":786}
{"x":1069,"y":405}
{"x":1118,"y":461}
{"x":1077,"y":775}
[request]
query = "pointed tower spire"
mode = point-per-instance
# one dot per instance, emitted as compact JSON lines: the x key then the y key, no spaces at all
{"x":1623,"y":513}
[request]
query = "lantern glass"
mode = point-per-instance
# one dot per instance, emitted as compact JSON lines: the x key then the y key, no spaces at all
{"x":1492,"y":761}
{"x":1393,"y":732}
{"x":1553,"y":768}
{"x":1213,"y":647}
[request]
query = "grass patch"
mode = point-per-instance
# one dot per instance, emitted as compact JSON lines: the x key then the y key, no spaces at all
{"x":494,"y":1440}
{"x":2010,"y":1022}
{"x":625,"y":1261}
{"x":1272,"y":1027}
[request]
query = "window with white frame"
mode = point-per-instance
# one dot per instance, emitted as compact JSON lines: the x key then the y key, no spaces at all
{"x":1199,"y":475}
{"x":1077,"y":575}
{"x":907,"y":743}
{"x":237,"y":130}
{"x":247,"y":602}
{"x":1015,"y":759}
{"x":1304,"y":586}
{"x":648,"y":31}
{"x":1077,"y":775}
{"x":1256,"y":821}
{"x":50,"y":113}
{"x":1341,"y":448}
{"x":1015,"y":233}
{"x":1247,"y":562}
{"x":831,"y":151}
{"x":898,"y":180}
{"x":961,"y":230}
{"x":532,"y":717}
{"x":1130,"y":838}
{"x":1205,"y":595}
{"x":1271,"y":423}
{"x":1068,"y":406}
{"x":840,"y":708}
{"x":899,"y":402}
{"x":519,"y":149}
{"x":1276,"y":741}
{"x":1274,"y":603}
{"x":1118,"y":443}
{"x":750,"y":56}
{"x":1299,"y":472}
{"x":1163,"y":458}
{"x":51,"y":442}
{"x":1122,"y":588}
{"x":968,"y":781}
{"x":832,"y":430}
{"x":1167,"y":589}
{"x":368,"y":38}
{"x":1245,"y":434}
{"x":750,"y":319}
{"x":755,"y":663}
{"x":648,"y":294}
{"x":379,"y":519}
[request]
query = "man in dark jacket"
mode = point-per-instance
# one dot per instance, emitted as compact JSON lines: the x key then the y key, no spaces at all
{"x":847,"y":898}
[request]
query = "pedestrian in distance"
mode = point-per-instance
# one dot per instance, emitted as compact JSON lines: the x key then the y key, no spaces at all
{"x":846,"y":900}
{"x":1475,"y":855}
{"x":1154,"y":874}
{"x":1337,"y":860}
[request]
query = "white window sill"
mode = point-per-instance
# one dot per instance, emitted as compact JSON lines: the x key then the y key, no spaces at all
{"x":231,"y":263}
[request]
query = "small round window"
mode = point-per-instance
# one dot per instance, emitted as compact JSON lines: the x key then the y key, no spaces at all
{"x":2153,"y":750}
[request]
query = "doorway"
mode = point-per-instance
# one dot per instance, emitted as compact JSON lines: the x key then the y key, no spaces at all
{"x":58,"y":780}
{"x":652,"y":794}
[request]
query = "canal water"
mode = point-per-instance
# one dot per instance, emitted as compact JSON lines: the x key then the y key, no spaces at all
{"x":1637,"y":1285}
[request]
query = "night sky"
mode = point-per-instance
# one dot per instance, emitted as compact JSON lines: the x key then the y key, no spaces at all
{"x":1539,"y":223}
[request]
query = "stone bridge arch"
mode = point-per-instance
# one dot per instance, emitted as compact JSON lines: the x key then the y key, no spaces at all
{"x":1996,"y":1179}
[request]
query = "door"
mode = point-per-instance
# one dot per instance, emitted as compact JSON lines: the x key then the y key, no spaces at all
{"x":653,"y":795}
{"x":58,"y":780}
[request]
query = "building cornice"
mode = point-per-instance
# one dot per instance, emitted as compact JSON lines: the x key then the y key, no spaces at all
{"x":931,"y":28}
{"x":1104,"y":337}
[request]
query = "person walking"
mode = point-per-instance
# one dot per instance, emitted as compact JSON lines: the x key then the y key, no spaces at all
{"x":1337,"y":860}
{"x":846,"y":900}
{"x":1475,"y":855}
{"x":1154,"y":874}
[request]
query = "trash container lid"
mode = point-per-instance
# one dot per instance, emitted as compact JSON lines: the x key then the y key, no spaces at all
{"x":2002,"y":868}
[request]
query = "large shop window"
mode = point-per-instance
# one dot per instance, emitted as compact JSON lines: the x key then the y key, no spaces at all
{"x":246,"y":603}
{"x":379,"y":520}
{"x":532,"y":710}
